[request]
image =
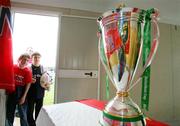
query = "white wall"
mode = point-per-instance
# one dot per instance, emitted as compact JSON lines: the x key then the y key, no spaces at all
{"x":175,"y":32}
{"x":161,"y":100}
{"x":78,"y":51}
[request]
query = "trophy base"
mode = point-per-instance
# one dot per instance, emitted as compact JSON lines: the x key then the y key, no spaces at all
{"x":122,"y":111}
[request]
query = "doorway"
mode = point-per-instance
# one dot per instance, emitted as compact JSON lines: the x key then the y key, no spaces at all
{"x":36,"y":32}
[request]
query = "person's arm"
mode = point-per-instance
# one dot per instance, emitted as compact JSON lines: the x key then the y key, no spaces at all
{"x":28,"y":81}
{"x":23,"y":98}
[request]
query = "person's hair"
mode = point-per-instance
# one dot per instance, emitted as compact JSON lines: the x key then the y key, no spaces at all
{"x":24,"y":55}
{"x":35,"y":54}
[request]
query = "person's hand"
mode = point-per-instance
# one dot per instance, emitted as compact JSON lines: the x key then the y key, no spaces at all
{"x":33,"y":80}
{"x":22,"y":100}
{"x":47,"y":86}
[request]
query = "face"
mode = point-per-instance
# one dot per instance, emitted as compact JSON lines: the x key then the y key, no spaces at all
{"x":36,"y":60}
{"x":23,"y":62}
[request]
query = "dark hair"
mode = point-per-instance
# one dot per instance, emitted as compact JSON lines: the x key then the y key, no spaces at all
{"x":24,"y":55}
{"x":35,"y":54}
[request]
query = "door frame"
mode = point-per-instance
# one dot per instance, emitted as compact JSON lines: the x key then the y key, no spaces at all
{"x":31,"y":10}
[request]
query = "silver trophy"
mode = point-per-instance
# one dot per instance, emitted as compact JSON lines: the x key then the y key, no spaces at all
{"x":120,"y":47}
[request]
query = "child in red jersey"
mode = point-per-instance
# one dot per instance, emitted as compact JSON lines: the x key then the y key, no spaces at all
{"x":23,"y":79}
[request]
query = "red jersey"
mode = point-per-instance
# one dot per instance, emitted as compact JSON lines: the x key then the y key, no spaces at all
{"x":22,"y":76}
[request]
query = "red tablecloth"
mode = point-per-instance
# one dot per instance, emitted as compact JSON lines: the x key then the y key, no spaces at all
{"x":100,"y":105}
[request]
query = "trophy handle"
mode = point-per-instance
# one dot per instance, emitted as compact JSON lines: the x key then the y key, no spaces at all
{"x":153,"y":50}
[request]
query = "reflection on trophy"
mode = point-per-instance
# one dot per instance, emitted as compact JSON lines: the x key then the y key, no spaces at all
{"x":120,"y":46}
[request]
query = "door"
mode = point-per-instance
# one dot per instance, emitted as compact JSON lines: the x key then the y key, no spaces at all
{"x":78,"y":59}
{"x":30,"y":34}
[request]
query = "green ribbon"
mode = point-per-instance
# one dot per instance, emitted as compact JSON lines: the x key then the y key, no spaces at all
{"x":102,"y":52}
{"x":107,"y":87}
{"x":103,"y":59}
{"x":146,"y":50}
{"x":124,"y":119}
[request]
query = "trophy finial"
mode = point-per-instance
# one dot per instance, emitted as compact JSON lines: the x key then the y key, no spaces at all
{"x":119,"y":6}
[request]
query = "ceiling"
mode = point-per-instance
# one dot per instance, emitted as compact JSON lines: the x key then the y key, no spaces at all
{"x":169,"y":9}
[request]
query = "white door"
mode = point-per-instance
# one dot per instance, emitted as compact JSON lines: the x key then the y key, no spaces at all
{"x":78,"y":59}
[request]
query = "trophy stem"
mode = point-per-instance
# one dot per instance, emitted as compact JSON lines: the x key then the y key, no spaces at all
{"x":122,"y":94}
{"x":122,"y":111}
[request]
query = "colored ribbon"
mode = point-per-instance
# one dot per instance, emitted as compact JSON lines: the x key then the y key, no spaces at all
{"x":107,"y":87}
{"x":146,"y":50}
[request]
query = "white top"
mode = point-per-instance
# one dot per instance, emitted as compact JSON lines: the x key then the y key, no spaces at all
{"x":68,"y":114}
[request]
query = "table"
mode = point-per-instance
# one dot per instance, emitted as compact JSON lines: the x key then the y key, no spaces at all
{"x":101,"y":104}
{"x":77,"y":113}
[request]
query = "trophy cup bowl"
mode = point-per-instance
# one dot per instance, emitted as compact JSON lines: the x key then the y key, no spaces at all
{"x":120,"y":47}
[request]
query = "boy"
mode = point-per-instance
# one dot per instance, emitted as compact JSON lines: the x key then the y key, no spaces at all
{"x":22,"y":80}
{"x":36,"y":91}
